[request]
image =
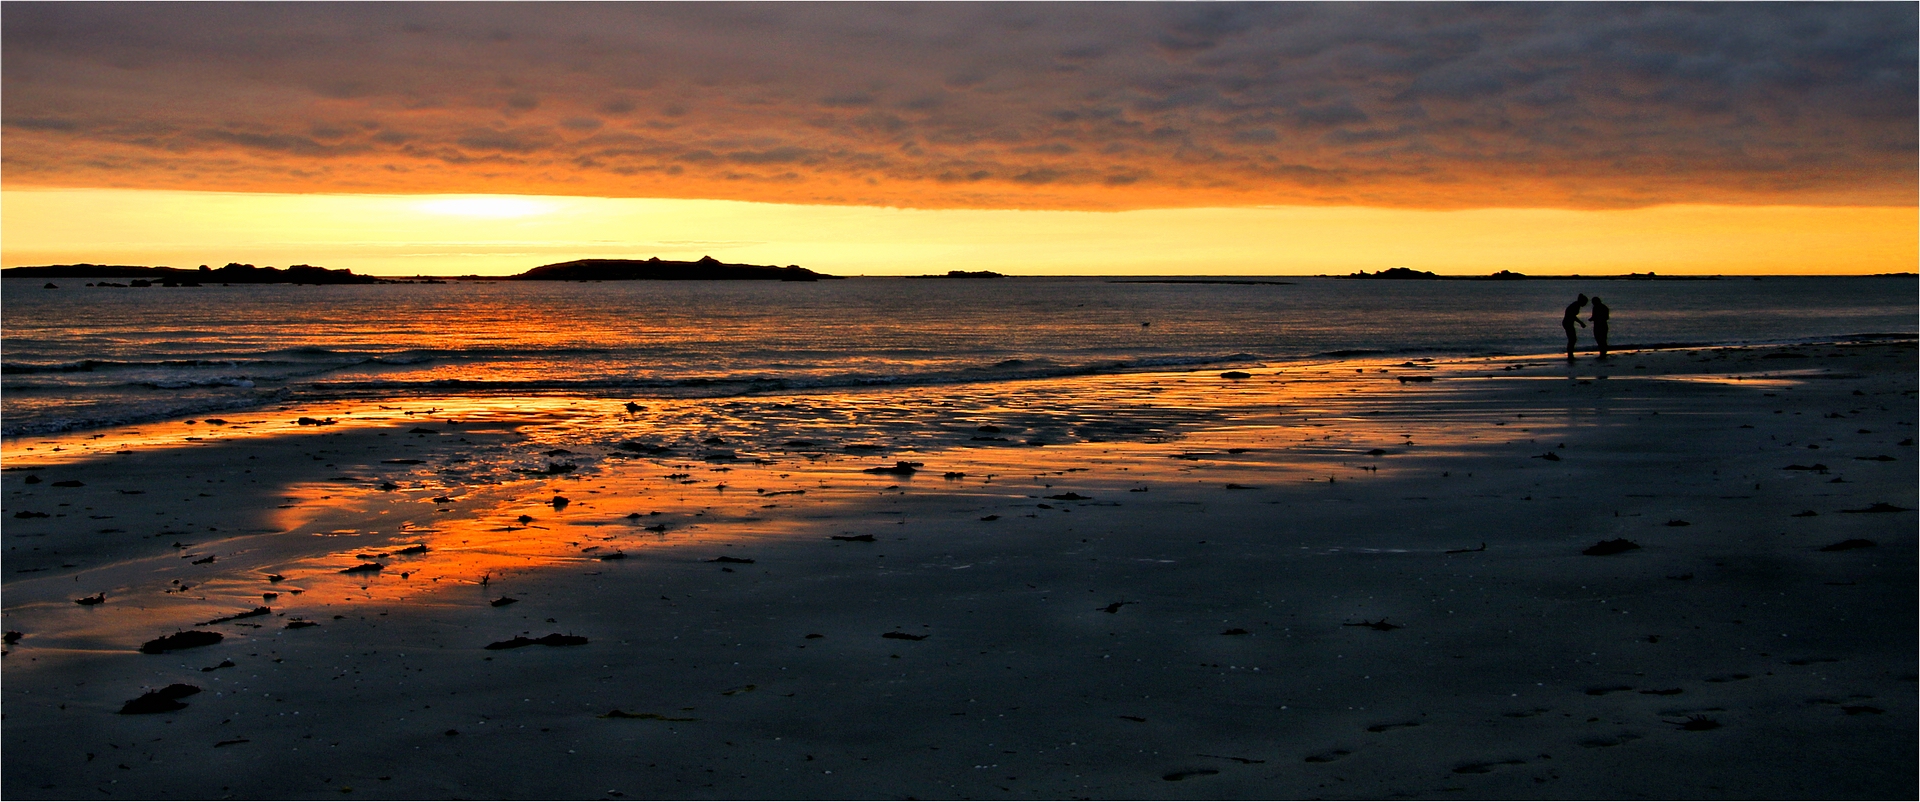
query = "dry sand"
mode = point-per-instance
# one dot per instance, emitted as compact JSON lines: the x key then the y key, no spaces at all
{"x":1169,"y":599}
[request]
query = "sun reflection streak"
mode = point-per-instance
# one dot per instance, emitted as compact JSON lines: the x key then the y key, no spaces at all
{"x":468,"y":495}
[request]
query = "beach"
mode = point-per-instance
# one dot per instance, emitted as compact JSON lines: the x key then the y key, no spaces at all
{"x":1342,"y":578}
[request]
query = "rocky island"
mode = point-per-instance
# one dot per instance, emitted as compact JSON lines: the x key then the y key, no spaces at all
{"x":657,"y":269}
{"x":232,"y":273}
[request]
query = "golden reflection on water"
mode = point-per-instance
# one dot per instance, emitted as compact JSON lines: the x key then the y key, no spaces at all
{"x":459,"y":498}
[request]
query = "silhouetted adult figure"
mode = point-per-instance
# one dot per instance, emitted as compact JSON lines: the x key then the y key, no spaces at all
{"x":1599,"y":318}
{"x":1571,"y":319}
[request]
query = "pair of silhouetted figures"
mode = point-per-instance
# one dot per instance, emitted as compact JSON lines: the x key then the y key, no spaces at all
{"x":1598,"y":317}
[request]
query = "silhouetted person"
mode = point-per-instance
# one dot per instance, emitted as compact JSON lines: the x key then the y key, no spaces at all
{"x":1599,"y":318}
{"x":1571,"y":319}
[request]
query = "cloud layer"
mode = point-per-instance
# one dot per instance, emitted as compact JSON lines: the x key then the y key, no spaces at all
{"x":1072,"y":105}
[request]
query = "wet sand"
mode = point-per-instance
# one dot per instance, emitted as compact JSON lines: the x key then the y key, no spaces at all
{"x":1355,"y":579}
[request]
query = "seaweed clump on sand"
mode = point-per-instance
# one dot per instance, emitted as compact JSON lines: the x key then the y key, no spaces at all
{"x":181,"y":640}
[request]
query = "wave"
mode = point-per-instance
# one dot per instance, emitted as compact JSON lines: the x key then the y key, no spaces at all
{"x":127,"y":415}
{"x":760,"y":383}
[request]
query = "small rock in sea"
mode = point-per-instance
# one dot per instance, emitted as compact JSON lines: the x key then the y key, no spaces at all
{"x":300,"y":624}
{"x":275,"y":578}
{"x":1236,"y":631}
{"x":503,"y":601}
{"x":1606,"y":547}
{"x":989,"y":428}
{"x":417,"y":548}
{"x":422,"y":430}
{"x":731,"y":560}
{"x":204,"y":560}
{"x":1070,"y":497}
{"x":1549,"y":456}
{"x":403,"y":461}
{"x":853,"y":538}
{"x":903,"y":636}
{"x":443,"y":499}
{"x":11,"y":637}
{"x":618,"y":555}
{"x":91,"y":600}
{"x":223,"y":664}
{"x":1236,"y":374}
{"x":70,"y":483}
{"x":953,"y":475}
{"x":165,"y":700}
{"x":1678,"y":522}
{"x":305,"y":421}
{"x":560,"y":502}
{"x":31,"y":480}
{"x":814,"y":636}
{"x":633,"y":515}
{"x":1850,"y":544}
{"x":49,"y":286}
{"x":30,"y":514}
{"x":1115,"y":607}
{"x":555,"y":639}
{"x":525,"y":519}
{"x":364,"y":568}
{"x":633,"y":407}
{"x":181,"y":640}
{"x":389,"y":486}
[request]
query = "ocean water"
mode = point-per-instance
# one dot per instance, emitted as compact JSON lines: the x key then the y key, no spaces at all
{"x":83,"y":357}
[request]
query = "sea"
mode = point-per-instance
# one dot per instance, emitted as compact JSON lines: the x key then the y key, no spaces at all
{"x":81,"y":357}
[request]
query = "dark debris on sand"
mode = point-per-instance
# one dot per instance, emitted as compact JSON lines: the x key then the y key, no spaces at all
{"x":555,"y":639}
{"x":1849,"y":545}
{"x":181,"y":640}
{"x":165,"y":700}
{"x":1380,"y":625}
{"x":1606,"y":547}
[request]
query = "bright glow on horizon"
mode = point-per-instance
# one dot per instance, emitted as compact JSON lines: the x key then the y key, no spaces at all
{"x":485,"y":206}
{"x":400,"y":235}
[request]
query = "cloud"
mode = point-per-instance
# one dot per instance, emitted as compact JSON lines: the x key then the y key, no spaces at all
{"x":976,"y":105}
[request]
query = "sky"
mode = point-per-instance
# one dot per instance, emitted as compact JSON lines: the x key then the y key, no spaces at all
{"x":1032,"y":138}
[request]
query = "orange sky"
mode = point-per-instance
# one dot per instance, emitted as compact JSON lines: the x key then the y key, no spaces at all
{"x":1568,"y":137}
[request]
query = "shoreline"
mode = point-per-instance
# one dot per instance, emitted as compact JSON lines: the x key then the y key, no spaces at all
{"x":1294,"y":505}
{"x":656,"y":390}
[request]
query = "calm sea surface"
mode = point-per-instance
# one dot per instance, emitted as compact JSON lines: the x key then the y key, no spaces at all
{"x":84,"y":357}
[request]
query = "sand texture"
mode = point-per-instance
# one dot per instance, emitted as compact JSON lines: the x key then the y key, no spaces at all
{"x":1356,"y":579}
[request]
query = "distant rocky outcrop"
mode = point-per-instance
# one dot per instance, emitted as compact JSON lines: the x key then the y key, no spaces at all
{"x":1398,"y":273}
{"x":657,"y":269}
{"x":232,"y":273}
{"x":965,"y":274}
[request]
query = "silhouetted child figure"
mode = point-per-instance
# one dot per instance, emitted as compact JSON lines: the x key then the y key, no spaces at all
{"x":1571,"y":319}
{"x":1599,"y":318}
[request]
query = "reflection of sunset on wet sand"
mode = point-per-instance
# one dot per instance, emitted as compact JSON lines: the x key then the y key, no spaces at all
{"x":673,"y":528}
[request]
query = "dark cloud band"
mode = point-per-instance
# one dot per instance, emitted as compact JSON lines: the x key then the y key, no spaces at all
{"x":1073,"y":105}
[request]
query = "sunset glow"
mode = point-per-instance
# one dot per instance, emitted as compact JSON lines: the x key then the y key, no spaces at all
{"x":497,"y":235}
